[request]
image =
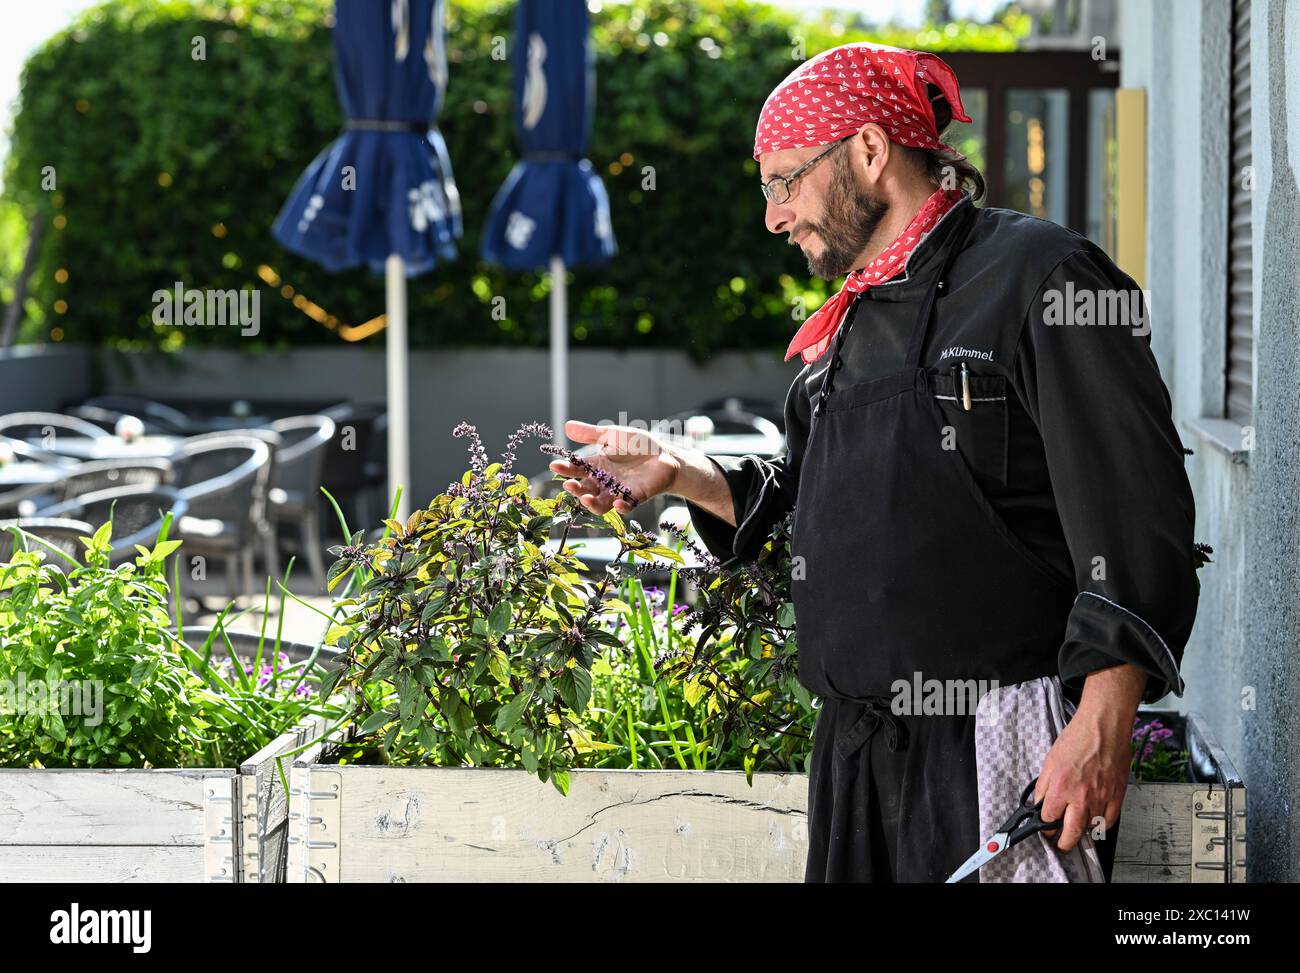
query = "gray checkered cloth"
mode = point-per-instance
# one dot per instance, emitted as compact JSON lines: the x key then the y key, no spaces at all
{"x":1015,"y":726}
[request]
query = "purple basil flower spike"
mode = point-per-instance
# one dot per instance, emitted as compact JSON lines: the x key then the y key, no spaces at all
{"x":477,"y":455}
{"x":608,"y":481}
{"x":538,"y":429}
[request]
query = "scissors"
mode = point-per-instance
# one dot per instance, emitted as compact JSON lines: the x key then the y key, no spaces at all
{"x":1025,"y":820}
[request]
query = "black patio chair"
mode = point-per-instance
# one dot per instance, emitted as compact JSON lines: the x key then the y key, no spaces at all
{"x":295,"y":494}
{"x":136,"y":511}
{"x":354,"y":459}
{"x":63,"y":533}
{"x":274,"y":442}
{"x":25,"y":452}
{"x":17,"y":428}
{"x":773,"y":412}
{"x":108,"y":474}
{"x":105,"y":419}
{"x":158,"y":418}
{"x":37,"y":425}
{"x":731,"y":420}
{"x":222,"y":478}
{"x":28,"y":500}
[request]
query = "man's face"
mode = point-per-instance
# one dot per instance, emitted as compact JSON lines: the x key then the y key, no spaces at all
{"x":829,"y":214}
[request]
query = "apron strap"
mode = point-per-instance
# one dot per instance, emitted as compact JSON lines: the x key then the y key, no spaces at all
{"x":876,"y":715}
{"x":922,"y":327}
{"x":907,"y":377}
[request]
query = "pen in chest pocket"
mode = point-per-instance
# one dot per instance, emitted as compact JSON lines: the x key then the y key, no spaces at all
{"x":964,"y":397}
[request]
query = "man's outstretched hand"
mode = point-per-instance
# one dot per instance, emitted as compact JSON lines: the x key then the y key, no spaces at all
{"x":641,"y":461}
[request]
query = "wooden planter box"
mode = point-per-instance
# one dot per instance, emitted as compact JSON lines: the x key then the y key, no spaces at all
{"x":264,"y":803}
{"x":117,"y":826}
{"x":1185,"y":832}
{"x":448,"y":824}
{"x":125,"y":825}
{"x":427,"y":824}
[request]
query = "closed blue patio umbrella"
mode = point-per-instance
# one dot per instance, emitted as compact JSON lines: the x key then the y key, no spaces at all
{"x":552,"y":212}
{"x":382,"y":194}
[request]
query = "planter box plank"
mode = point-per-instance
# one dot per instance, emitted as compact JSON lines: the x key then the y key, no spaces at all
{"x":1155,"y":834}
{"x":101,"y":863}
{"x":101,"y":807}
{"x":142,"y":825}
{"x":403,"y":824}
{"x":265,"y":804}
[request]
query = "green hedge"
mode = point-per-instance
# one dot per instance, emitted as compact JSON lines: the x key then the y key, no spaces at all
{"x":157,"y":153}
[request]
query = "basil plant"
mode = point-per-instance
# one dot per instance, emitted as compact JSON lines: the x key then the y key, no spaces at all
{"x":468,"y":633}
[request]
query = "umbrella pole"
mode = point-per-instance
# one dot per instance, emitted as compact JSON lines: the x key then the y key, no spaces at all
{"x":399,"y":410}
{"x":559,"y":349}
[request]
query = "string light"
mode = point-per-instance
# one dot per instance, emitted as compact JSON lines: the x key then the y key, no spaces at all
{"x":348,"y":332}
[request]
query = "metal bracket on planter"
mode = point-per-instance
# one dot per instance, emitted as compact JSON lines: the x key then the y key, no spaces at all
{"x":314,"y":851}
{"x":1237,"y":834}
{"x":220,"y":830}
{"x":1219,"y":835}
{"x":1209,"y":835}
{"x":1218,"y":811}
{"x":250,"y":847}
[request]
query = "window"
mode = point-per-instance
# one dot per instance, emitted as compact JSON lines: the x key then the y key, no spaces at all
{"x":1037,"y":154}
{"x":1033,"y":129}
{"x":1239,"y":385}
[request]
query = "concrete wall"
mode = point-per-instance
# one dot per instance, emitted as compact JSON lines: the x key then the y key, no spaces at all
{"x":41,"y":378}
{"x":1242,"y":666}
{"x":494,"y":389}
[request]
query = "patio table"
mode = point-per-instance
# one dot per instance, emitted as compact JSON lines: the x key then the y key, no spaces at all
{"x":16,"y":475}
{"x":737,"y":444}
{"x":113,"y":447}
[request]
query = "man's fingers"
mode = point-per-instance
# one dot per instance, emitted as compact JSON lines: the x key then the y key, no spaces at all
{"x":1054,"y":806}
{"x":1111,"y":813}
{"x":1076,"y":819}
{"x":582,"y":488}
{"x":589,"y":495}
{"x":597,"y":503}
{"x":582,"y":432}
{"x":565,"y":468}
{"x":621,"y":443}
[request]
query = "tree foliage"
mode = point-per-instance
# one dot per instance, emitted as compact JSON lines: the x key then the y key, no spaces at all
{"x":172,"y":169}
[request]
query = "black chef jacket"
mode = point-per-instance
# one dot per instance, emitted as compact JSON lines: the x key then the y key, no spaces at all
{"x":1069,"y":434}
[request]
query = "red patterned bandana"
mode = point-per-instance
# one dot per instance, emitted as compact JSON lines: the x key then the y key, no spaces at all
{"x":814,"y":337}
{"x":837,"y":92}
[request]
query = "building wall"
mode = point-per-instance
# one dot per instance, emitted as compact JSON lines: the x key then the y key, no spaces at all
{"x":1242,"y":666}
{"x":42,"y":378}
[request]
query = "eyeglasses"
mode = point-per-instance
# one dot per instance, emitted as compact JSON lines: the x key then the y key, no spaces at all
{"x":777,"y":189}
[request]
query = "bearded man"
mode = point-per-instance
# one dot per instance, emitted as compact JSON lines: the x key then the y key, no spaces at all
{"x":985,"y":488}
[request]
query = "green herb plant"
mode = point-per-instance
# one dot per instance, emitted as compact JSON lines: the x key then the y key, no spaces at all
{"x":734,"y":653}
{"x":92,"y":675}
{"x":470,"y":639}
{"x":96,"y":633}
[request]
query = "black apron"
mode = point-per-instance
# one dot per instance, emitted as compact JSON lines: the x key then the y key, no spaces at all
{"x":904,"y":570}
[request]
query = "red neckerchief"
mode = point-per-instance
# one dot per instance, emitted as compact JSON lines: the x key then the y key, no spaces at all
{"x":814,"y":337}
